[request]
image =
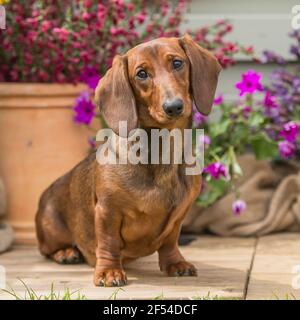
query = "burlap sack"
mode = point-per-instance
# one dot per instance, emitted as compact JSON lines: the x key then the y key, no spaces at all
{"x":272,"y":194}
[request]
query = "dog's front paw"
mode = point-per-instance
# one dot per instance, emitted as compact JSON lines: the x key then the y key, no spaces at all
{"x":181,"y":269}
{"x":110,"y":278}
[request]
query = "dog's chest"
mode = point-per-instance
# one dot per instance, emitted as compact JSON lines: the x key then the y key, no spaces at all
{"x":152,"y":206}
{"x":158,"y":192}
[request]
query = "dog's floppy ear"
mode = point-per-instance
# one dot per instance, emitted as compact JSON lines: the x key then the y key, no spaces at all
{"x":115,"y":98}
{"x":204,"y":73}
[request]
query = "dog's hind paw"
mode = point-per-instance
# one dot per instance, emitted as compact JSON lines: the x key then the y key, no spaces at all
{"x":68,"y":256}
{"x":181,"y":269}
{"x":110,"y":278}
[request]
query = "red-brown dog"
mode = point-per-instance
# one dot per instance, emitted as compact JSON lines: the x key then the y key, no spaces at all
{"x":111,"y":214}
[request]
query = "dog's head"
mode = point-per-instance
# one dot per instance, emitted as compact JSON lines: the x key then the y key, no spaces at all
{"x":155,"y":83}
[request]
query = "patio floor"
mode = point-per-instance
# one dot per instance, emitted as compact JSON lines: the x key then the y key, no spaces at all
{"x":228,"y":268}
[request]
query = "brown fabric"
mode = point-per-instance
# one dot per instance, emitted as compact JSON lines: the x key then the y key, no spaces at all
{"x":272,"y":194}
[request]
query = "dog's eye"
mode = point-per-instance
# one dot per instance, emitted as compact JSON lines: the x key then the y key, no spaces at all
{"x":177,"y":64}
{"x":142,"y":74}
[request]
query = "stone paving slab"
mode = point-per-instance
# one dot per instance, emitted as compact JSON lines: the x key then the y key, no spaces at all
{"x":223,"y":269}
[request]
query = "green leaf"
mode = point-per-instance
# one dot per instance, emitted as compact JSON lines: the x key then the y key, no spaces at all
{"x":256,"y":119}
{"x":263,"y":146}
{"x":219,"y":128}
{"x":216,"y":189}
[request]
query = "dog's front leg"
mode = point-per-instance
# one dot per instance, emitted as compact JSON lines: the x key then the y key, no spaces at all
{"x":171,"y":260}
{"x":108,"y":269}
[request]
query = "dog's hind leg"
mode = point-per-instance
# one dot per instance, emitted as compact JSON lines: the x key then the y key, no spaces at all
{"x":55,"y":240}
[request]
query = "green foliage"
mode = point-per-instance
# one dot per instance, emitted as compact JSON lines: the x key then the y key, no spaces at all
{"x":263,"y":147}
{"x":30,"y":294}
{"x":233,"y":132}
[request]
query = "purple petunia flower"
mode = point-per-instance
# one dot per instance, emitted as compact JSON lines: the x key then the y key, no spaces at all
{"x":205,"y":139}
{"x":250,"y":82}
{"x":295,"y":50}
{"x":216,"y":170}
{"x":270,"y":56}
{"x":271,"y":106}
{"x":198,"y":118}
{"x":84,"y":109}
{"x":90,"y":76}
{"x":246,"y":111}
{"x":290,"y":131}
{"x":218,"y":100}
{"x":238,"y":207}
{"x":286,"y":149}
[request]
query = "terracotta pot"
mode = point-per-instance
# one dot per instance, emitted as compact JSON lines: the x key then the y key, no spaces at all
{"x":39,"y":142}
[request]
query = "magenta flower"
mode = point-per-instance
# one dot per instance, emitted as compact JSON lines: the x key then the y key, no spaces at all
{"x":218,"y":100}
{"x":290,"y":131}
{"x":90,"y":76}
{"x":205,"y":139}
{"x":250,"y":82}
{"x":286,"y":149}
{"x":198,"y":118}
{"x":84,"y":109}
{"x":45,"y":26}
{"x":62,"y":34}
{"x":141,"y":17}
{"x":216,"y":170}
{"x":270,"y":104}
{"x":238,"y":207}
{"x":246,"y":111}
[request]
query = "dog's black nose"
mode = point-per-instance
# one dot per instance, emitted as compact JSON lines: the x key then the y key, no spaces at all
{"x":173,"y":107}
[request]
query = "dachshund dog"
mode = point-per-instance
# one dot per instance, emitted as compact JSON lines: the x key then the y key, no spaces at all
{"x":110,"y":214}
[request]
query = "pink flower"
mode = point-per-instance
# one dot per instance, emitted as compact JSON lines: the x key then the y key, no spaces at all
{"x":114,"y":31}
{"x":250,"y":82}
{"x":45,"y":26}
{"x":218,"y":100}
{"x":198,"y":118}
{"x":290,"y":131}
{"x":205,"y":139}
{"x":246,"y":112}
{"x":62,"y":34}
{"x":216,"y":170}
{"x":90,"y":76}
{"x":271,"y":107}
{"x":238,"y":207}
{"x":130,"y":6}
{"x":248,"y":50}
{"x":101,"y":13}
{"x":86,"y":16}
{"x":84,"y":109}
{"x":88,"y":3}
{"x":286,"y":149}
{"x":32,"y":35}
{"x":141,"y":17}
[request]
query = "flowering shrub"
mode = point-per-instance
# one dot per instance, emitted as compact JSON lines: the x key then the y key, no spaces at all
{"x":268,"y":126}
{"x":75,"y":40}
{"x":55,"y":41}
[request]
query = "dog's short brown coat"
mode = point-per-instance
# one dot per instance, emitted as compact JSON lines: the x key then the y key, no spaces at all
{"x":111,"y":214}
